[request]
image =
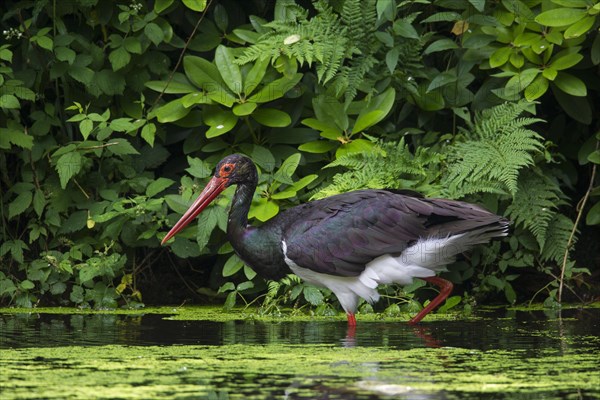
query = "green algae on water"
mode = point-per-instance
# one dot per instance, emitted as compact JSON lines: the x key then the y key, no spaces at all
{"x":242,"y":370}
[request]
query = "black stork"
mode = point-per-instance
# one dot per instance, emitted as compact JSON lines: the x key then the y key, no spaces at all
{"x":352,"y":242}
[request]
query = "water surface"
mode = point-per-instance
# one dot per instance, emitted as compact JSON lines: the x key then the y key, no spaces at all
{"x":498,"y":355}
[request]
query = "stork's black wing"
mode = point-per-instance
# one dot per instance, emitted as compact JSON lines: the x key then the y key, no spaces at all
{"x":339,"y":235}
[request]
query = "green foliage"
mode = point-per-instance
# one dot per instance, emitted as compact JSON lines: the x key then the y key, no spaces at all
{"x":110,"y":124}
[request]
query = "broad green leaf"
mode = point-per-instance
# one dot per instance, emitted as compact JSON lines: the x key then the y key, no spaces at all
{"x":318,"y":146}
{"x":440,"y":45}
{"x":195,"y":5}
{"x":479,"y":6}
{"x":594,"y":157}
{"x":154,"y":33}
{"x":287,"y":169}
{"x":537,"y":88}
{"x":593,"y":216}
{"x":319,"y":125}
{"x":255,"y":75}
{"x":244,"y":109}
{"x":9,"y":101}
{"x":560,"y":16}
{"x":122,"y":125}
{"x":263,"y":209}
{"x":185,"y":248}
{"x":404,"y":28}
{"x":521,"y":81}
{"x":27,"y":284}
{"x":355,"y":146}
{"x":376,"y":110}
{"x":291,"y":190}
{"x":172,"y":111}
{"x":229,"y":70}
{"x":171,"y":87}
{"x":500,"y":57}
{"x":220,"y":122}
{"x":276,"y":89}
{"x":549,"y":73}
{"x":570,"y":84}
{"x":89,"y":272}
{"x":19,"y":204}
{"x":442,"y":79}
{"x":193,"y":98}
{"x":202,"y":73}
{"x":272,"y":117}
{"x":566,"y":61}
{"x":260,"y":155}
{"x":68,"y":165}
{"x":232,"y":265}
{"x":133,"y":45}
{"x":580,"y":27}
{"x":391,"y":59}
{"x":162,"y":5}
{"x":158,"y":186}
{"x":85,"y":127}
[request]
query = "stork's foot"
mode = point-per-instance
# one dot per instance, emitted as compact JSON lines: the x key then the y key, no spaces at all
{"x":351,"y":319}
{"x":445,"y":290}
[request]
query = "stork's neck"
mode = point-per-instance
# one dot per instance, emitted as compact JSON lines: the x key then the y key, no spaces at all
{"x":259,"y":248}
{"x":237,"y":224}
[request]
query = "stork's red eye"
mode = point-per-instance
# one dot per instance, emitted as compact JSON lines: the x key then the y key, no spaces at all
{"x":226,"y":169}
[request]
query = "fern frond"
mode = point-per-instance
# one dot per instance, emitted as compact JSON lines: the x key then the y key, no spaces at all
{"x":386,"y":165}
{"x":497,"y":148}
{"x":557,"y":236}
{"x":535,"y":204}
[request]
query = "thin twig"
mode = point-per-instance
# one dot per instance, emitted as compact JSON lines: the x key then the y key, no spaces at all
{"x":187,"y":43}
{"x":581,"y":207}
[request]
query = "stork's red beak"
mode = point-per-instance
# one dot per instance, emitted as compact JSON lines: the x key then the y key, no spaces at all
{"x":215,"y":186}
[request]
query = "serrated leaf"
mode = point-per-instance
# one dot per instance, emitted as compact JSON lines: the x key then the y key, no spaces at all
{"x":121,"y":147}
{"x":198,"y":168}
{"x":39,"y":202}
{"x":313,"y":295}
{"x":119,"y":58}
{"x":19,"y":204}
{"x":158,"y":186}
{"x":154,"y":33}
{"x":85,"y":127}
{"x":148,"y":133}
{"x":207,"y":221}
{"x":67,"y":166}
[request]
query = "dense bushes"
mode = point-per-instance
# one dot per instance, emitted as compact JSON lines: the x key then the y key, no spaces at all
{"x":113,"y":116}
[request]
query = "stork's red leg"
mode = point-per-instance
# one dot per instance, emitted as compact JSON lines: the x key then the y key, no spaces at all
{"x":445,"y":290}
{"x":351,"y":319}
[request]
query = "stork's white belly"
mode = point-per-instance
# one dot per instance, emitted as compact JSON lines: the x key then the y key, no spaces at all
{"x":423,"y":259}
